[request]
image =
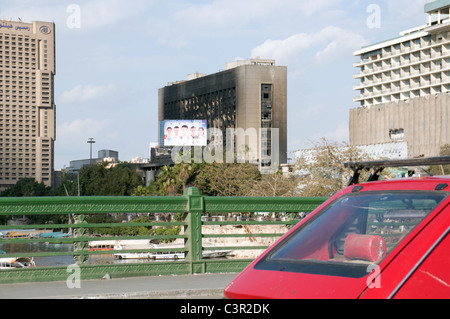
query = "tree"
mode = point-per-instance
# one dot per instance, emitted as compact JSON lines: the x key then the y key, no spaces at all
{"x":168,"y":181}
{"x":140,"y":191}
{"x":98,"y":180}
{"x":173,"y":180}
{"x":226,"y":179}
{"x":275,"y":185}
{"x":322,"y":171}
{"x":27,"y":187}
{"x":184,"y":172}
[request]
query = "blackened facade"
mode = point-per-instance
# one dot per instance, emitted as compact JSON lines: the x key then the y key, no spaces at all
{"x":249,"y":95}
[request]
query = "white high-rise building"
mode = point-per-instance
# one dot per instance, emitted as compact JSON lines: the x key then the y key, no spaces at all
{"x":404,"y":86}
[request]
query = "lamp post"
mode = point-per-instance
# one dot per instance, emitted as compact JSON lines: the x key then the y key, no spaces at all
{"x":91,"y":141}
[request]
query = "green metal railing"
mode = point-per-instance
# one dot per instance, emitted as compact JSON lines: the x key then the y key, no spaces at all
{"x":192,"y":205}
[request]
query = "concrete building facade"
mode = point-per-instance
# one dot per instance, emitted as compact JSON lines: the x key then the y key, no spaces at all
{"x":27,"y":107}
{"x":248,"y":95}
{"x":404,"y":87}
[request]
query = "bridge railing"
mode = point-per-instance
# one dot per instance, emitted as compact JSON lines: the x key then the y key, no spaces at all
{"x":197,"y":235}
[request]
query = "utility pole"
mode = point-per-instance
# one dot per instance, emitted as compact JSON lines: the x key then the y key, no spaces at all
{"x":91,"y":141}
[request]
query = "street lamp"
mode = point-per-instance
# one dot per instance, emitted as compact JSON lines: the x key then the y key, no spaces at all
{"x":91,"y":141}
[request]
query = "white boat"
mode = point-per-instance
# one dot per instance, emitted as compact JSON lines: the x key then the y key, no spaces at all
{"x":173,"y":252}
{"x":102,"y":245}
{"x":133,"y":256}
{"x":13,"y":263}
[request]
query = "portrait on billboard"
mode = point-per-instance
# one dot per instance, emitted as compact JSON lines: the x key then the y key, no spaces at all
{"x":185,"y":133}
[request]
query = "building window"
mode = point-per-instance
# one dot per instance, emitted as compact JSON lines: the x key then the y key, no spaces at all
{"x":397,"y":134}
{"x":266,"y":123}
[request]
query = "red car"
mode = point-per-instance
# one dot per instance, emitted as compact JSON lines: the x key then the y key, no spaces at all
{"x":380,"y":239}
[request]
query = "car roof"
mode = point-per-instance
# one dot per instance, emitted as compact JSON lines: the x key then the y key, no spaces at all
{"x":409,"y":183}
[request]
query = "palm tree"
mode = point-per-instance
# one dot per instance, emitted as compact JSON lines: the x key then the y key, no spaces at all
{"x":169,"y":180}
{"x":184,"y":173}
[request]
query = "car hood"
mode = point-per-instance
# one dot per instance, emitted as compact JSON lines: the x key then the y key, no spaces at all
{"x":266,"y":284}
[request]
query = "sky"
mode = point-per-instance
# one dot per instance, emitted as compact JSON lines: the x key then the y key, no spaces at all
{"x":113,"y":56}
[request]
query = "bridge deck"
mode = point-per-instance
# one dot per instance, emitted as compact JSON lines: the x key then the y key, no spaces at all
{"x":174,"y":287}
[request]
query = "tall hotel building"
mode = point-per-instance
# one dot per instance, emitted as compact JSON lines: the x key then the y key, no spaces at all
{"x":27,"y":109}
{"x":249,"y":95}
{"x":404,"y":87}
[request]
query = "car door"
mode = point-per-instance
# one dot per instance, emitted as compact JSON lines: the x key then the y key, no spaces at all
{"x":431,"y":277}
{"x":421,"y":268}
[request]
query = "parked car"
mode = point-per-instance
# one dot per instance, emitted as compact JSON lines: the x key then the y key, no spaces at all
{"x":379,"y":239}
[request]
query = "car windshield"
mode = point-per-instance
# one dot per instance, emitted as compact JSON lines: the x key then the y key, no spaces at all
{"x":353,"y":232}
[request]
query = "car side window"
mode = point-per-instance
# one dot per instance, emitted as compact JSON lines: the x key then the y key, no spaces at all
{"x":353,"y":232}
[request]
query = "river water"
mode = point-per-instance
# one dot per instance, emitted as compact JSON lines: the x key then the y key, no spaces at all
{"x":61,"y":260}
{"x":41,"y":248}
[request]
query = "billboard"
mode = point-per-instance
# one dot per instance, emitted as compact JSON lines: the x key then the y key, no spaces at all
{"x":185,"y":132}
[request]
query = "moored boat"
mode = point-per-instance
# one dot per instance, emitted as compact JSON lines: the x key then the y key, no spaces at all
{"x":170,"y":252}
{"x":16,"y":262}
{"x":101,"y":245}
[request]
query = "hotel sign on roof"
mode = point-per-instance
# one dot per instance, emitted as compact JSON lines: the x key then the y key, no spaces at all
{"x":20,"y":27}
{"x":10,"y":26}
